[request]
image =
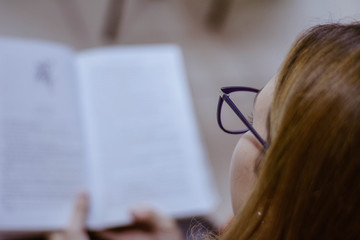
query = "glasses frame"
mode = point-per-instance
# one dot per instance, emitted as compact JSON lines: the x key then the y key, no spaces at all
{"x":224,"y":96}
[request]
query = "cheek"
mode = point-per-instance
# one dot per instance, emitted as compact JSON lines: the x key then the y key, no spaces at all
{"x":242,"y":172}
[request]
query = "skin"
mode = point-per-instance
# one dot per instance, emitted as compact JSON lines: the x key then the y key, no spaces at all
{"x":248,"y":149}
{"x":154,"y":225}
{"x":77,"y":223}
{"x":162,"y":227}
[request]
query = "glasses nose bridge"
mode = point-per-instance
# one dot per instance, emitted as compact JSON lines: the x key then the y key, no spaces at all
{"x":221,"y":93}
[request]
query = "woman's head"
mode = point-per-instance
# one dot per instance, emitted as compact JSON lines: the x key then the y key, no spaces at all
{"x":248,"y":152}
{"x":309,"y":181}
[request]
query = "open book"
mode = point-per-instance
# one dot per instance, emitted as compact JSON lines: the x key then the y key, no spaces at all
{"x":117,"y":122}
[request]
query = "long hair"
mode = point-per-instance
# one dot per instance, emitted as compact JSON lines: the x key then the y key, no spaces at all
{"x":309,"y":181}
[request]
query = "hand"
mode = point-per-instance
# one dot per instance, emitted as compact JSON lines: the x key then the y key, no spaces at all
{"x":76,"y":228}
{"x":147,"y":225}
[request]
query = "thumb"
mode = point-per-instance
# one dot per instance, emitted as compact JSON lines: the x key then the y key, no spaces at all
{"x":78,"y":220}
{"x":153,"y":219}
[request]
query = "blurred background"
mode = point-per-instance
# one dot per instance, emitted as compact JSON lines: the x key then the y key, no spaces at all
{"x":225,"y":42}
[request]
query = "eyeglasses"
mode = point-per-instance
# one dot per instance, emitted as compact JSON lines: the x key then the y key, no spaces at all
{"x":226,"y":118}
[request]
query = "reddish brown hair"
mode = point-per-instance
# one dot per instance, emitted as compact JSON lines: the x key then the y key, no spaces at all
{"x":309,"y":183}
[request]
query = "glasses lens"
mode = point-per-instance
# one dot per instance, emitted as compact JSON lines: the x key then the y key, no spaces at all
{"x":244,"y":102}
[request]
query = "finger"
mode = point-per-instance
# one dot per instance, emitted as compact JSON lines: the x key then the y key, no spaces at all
{"x":56,"y":236}
{"x":128,"y":235}
{"x":153,"y":218}
{"x":104,"y":235}
{"x":107,"y":235}
{"x":78,"y":220}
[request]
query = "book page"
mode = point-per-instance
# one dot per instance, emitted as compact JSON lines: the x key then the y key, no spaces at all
{"x":142,"y":134}
{"x":41,"y":150}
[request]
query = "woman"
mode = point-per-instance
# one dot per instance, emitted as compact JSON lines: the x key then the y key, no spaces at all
{"x":308,"y":185}
{"x":303,"y":180}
